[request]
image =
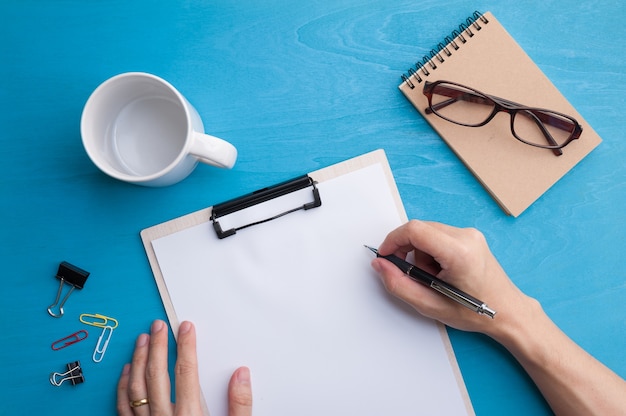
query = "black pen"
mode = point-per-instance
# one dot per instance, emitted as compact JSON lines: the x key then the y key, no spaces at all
{"x":439,"y":285}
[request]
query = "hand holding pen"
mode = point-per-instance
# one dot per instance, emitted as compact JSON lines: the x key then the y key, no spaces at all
{"x":427,"y":279}
{"x":562,"y":370}
{"x":462,"y":265}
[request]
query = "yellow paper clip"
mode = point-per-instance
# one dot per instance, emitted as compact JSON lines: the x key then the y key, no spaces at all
{"x":102,"y":345}
{"x":98,"y":320}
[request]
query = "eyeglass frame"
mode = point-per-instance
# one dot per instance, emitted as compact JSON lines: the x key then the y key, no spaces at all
{"x":512,"y":108}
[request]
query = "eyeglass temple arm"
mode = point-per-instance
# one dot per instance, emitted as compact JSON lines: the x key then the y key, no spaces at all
{"x":455,"y":95}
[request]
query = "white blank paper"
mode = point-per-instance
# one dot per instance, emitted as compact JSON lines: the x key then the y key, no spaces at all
{"x":296,"y":300}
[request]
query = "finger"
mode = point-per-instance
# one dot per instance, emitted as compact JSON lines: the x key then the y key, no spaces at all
{"x":466,"y":249}
{"x":445,"y":228}
{"x":123,"y":407}
{"x":424,"y":300}
{"x":431,"y":239}
{"x":240,"y":393}
{"x":186,"y":370}
{"x":137,"y":389}
{"x":157,"y":376}
{"x":426,"y":262}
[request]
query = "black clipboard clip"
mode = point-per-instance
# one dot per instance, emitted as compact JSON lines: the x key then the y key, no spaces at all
{"x":260,"y":196}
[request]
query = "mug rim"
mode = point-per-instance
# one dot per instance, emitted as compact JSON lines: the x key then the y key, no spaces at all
{"x":94,"y":154}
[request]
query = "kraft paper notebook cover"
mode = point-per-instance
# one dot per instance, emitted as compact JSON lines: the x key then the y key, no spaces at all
{"x":295,"y":299}
{"x":482,"y":55}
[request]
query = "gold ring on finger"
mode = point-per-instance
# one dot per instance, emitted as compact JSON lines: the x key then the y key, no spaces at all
{"x":137,"y":403}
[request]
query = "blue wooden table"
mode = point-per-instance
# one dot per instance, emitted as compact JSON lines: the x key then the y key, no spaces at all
{"x":295,"y":86}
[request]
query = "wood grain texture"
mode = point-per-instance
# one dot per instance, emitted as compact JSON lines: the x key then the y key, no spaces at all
{"x":296,"y":86}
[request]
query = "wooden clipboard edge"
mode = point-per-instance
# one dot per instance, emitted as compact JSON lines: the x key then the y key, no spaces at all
{"x":161,"y":230}
{"x":455,"y":368}
{"x":321,"y":175}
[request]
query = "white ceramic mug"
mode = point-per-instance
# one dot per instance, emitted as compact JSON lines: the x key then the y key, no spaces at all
{"x":138,"y":128}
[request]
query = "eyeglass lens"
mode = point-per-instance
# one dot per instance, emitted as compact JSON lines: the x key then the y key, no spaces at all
{"x":460,"y":105}
{"x":531,"y":126}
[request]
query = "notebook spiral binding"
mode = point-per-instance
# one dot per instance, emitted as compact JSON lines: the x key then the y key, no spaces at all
{"x":454,"y":41}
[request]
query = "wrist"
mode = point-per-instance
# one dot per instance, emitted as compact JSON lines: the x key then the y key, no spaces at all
{"x":518,"y":323}
{"x":527,"y":333}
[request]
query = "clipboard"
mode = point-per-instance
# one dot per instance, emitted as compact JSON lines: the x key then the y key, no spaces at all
{"x":279,"y":281}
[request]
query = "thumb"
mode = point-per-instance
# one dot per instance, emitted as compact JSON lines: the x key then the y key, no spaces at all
{"x":240,"y":393}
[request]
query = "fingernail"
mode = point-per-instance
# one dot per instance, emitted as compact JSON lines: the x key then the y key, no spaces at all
{"x":243,"y":375}
{"x":157,"y":326}
{"x":142,"y":340}
{"x":126,"y":369}
{"x":185,"y":327}
{"x":376,"y":265}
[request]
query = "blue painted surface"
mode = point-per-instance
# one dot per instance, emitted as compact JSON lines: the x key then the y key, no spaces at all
{"x":296,"y":86}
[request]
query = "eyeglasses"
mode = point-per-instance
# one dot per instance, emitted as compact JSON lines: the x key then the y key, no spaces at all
{"x":468,"y":107}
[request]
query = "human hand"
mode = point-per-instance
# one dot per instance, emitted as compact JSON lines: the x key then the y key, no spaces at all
{"x":144,"y":386}
{"x":462,"y":258}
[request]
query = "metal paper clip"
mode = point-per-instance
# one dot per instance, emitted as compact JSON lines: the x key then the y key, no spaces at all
{"x":69,"y":340}
{"x":73,"y":276}
{"x":101,"y":347}
{"x":98,"y":320}
{"x":74,"y":374}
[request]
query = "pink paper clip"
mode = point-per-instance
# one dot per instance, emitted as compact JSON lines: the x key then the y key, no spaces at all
{"x":69,"y":340}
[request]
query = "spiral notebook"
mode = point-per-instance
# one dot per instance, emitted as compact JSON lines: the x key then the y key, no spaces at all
{"x":481,"y":54}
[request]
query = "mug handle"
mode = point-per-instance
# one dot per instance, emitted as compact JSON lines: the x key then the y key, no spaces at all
{"x":213,"y":150}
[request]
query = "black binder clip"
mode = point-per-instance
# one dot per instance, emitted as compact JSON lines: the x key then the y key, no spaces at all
{"x":260,"y":196}
{"x":73,"y":276}
{"x":74,"y":375}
